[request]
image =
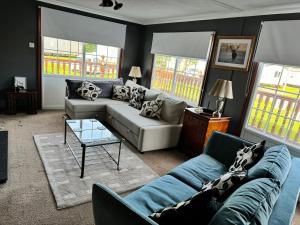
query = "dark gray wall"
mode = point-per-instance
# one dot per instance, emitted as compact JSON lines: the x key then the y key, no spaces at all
{"x":19,"y":27}
{"x":232,"y":26}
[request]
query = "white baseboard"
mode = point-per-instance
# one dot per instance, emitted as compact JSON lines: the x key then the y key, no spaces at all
{"x":53,"y":107}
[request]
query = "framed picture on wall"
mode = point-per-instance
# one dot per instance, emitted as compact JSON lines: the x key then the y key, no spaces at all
{"x":233,"y":52}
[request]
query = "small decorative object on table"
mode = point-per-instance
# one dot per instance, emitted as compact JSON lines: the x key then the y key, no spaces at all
{"x":198,"y":109}
{"x":20,"y":83}
{"x":135,"y":72}
{"x":221,"y":89}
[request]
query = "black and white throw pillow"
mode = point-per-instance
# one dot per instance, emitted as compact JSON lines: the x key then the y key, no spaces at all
{"x":89,"y":91}
{"x":121,"y":93}
{"x":152,"y":109}
{"x":224,"y":182}
{"x":198,"y":208}
{"x":137,"y":97}
{"x":248,"y":156}
{"x":209,"y":191}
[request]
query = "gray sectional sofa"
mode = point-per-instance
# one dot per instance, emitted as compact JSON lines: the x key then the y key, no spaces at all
{"x":144,"y":133}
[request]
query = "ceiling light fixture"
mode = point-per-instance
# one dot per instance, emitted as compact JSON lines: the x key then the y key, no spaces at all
{"x":109,"y":3}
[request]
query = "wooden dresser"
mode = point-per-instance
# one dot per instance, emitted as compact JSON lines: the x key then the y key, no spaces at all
{"x":197,"y":128}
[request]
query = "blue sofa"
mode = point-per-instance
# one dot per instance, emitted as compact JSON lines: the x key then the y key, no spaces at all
{"x":270,"y":196}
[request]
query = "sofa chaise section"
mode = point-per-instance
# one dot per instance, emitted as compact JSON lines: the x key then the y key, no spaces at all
{"x":83,"y":109}
{"x":144,"y":133}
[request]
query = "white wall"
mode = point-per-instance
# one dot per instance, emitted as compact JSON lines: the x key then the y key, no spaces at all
{"x":53,"y":92}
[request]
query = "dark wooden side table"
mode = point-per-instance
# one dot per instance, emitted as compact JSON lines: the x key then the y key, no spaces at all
{"x":197,"y":128}
{"x":28,"y":97}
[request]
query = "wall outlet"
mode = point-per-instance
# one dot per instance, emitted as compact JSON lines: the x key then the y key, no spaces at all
{"x":31,"y":45}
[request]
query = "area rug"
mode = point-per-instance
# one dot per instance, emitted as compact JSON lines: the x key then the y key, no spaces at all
{"x":63,"y":171}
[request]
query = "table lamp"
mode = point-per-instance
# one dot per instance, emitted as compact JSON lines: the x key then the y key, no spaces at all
{"x":135,"y":72}
{"x":221,"y":89}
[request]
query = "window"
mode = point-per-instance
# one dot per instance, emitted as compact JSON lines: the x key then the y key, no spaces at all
{"x":178,"y":76}
{"x":77,"y":59}
{"x":275,"y":110}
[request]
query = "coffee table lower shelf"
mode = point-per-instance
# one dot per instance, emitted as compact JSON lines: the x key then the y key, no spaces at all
{"x":85,"y":146}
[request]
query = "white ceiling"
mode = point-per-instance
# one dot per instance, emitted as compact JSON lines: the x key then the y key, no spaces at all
{"x":164,"y":11}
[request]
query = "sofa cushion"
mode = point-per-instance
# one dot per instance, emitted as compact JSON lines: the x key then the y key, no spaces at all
{"x":275,"y":163}
{"x":152,"y":109}
{"x":137,"y":96}
{"x":285,"y":207}
{"x":198,"y":171}
{"x":72,"y":87}
{"x":248,"y":156}
{"x":150,"y":94}
{"x":89,"y":91}
{"x":107,"y":86}
{"x":159,"y":194}
{"x":130,"y":117}
{"x":200,"y":207}
{"x":251,"y":204}
{"x":121,"y":92}
{"x":81,"y":105}
{"x":132,"y":84}
{"x":172,"y":109}
{"x":223,"y":147}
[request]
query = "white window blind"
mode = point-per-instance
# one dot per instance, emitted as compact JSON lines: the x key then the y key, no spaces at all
{"x":69,"y":26}
{"x":184,"y":44}
{"x":279,"y":43}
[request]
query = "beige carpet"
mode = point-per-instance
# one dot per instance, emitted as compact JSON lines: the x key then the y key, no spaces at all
{"x":26,"y":199}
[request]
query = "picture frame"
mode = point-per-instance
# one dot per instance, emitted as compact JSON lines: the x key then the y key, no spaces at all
{"x":20,"y":82}
{"x":233,"y":52}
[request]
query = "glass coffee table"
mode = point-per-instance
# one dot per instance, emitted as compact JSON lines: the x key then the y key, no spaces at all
{"x":91,"y":133}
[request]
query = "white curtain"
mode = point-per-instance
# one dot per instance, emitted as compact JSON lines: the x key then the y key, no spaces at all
{"x":279,"y":43}
{"x":185,"y":44}
{"x":69,"y":26}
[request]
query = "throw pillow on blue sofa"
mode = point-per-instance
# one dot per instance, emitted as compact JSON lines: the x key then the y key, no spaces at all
{"x":251,"y":204}
{"x":275,"y":164}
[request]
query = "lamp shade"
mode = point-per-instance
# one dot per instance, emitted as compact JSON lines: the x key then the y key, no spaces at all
{"x":222,"y":88}
{"x":135,"y":72}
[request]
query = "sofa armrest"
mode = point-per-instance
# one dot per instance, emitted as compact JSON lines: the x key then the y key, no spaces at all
{"x":159,"y":137}
{"x":109,"y":208}
{"x":285,"y":207}
{"x":223,"y":147}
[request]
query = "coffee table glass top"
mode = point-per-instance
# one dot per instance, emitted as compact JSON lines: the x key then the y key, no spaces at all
{"x":92,"y":132}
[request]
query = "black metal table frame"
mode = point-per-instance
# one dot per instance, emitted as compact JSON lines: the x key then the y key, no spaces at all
{"x":85,"y":146}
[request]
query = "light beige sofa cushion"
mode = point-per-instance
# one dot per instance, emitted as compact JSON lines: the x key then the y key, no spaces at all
{"x":130,"y":117}
{"x":172,"y":109}
{"x":150,"y":94}
{"x":81,"y":105}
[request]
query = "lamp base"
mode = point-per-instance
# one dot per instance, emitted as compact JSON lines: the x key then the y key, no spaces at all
{"x":219,"y":107}
{"x":217,"y":114}
{"x":134,"y":80}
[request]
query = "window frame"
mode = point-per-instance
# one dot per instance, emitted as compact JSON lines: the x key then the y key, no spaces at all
{"x":83,"y":69}
{"x":273,"y":140}
{"x":175,"y":77}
